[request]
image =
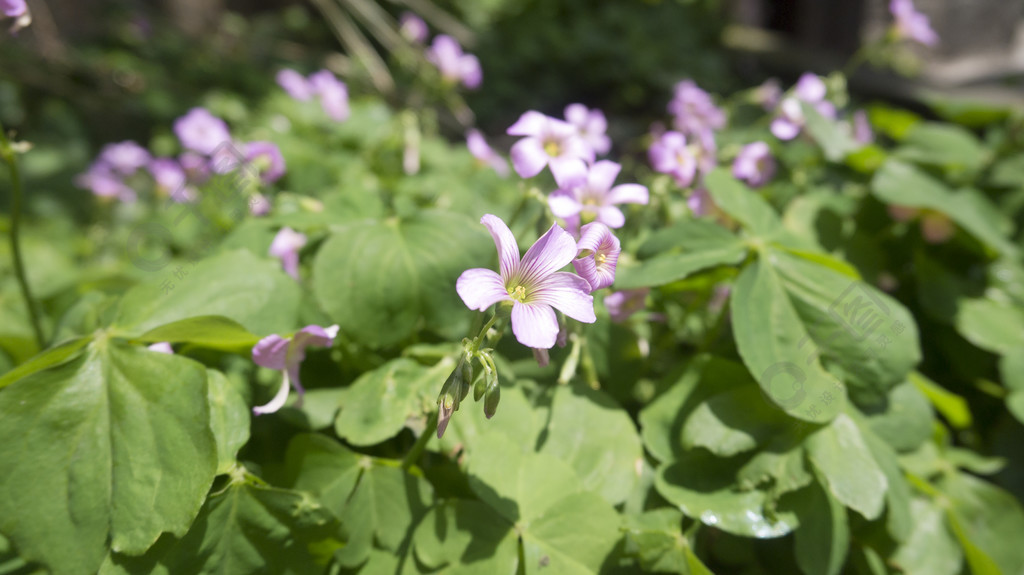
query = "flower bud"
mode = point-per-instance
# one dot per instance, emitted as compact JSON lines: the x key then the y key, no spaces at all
{"x":492,"y":396}
{"x":479,"y":387}
{"x":449,"y":398}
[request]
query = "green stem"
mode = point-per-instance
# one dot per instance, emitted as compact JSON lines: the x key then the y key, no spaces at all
{"x":19,"y":264}
{"x":417,"y":449}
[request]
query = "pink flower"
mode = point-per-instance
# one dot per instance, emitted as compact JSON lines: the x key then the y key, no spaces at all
{"x":591,"y":126}
{"x":589,"y":192}
{"x":548,"y":142}
{"x":168,"y":174}
{"x":754,"y":164}
{"x":669,"y":154}
{"x":333,"y":94}
{"x":161,"y":347}
{"x":286,"y":246}
{"x":481,"y":151}
{"x":911,"y":24}
{"x":267,"y":159}
{"x":622,"y":304}
{"x":18,"y":10}
{"x":862,"y":131}
{"x":286,"y":355}
{"x":598,"y":255}
{"x":533,"y":284}
{"x":104,"y":183}
{"x":413,"y":28}
{"x":790,"y":120}
{"x":694,"y":109}
{"x":201,"y":131}
{"x":454,"y":65}
{"x":295,"y":84}
{"x":124,"y":157}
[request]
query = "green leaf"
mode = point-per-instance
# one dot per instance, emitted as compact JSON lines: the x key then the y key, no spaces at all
{"x":50,"y":358}
{"x":946,"y":145}
{"x":898,"y":520}
{"x":702,"y":486}
{"x":516,"y":417}
{"x":851,"y":473}
{"x":823,"y":540}
{"x":229,"y":419}
{"x":597,"y":438}
{"x":991,"y":325}
{"x":732,"y":422}
{"x":687,"y":235}
{"x":772,"y":342}
{"x":834,"y":141}
{"x":893,"y":122}
{"x":237,"y":285}
{"x":211,"y":331}
{"x":245,"y":529}
{"x":982,"y":517}
{"x":656,"y":540}
{"x":383,"y":281}
{"x":931,"y":548}
{"x":953,"y":407}
{"x":904,"y":419}
{"x":1008,"y":172}
{"x":466,"y":537}
{"x":109,"y":449}
{"x":780,"y":463}
{"x":667,"y":268}
{"x":741,"y":203}
{"x":573,"y":536}
{"x":376,"y":407}
{"x":325,"y":468}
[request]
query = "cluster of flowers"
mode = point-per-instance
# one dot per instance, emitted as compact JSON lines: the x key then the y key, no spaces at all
{"x":208,"y":149}
{"x":323,"y":85}
{"x":445,"y":53}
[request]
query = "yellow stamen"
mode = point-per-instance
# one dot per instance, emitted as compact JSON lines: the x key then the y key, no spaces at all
{"x":552,"y":149}
{"x":518,"y":293}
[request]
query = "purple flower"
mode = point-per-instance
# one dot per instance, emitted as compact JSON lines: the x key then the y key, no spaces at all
{"x":669,"y":154}
{"x":413,"y":28}
{"x":790,"y":121}
{"x":481,"y":151}
{"x":589,"y":192}
{"x":161,"y":347}
{"x":13,"y":8}
{"x":267,"y":159}
{"x":454,"y":65}
{"x":286,"y":355}
{"x":286,"y":246}
{"x":167,"y":173}
{"x":124,"y":157}
{"x":700,"y":203}
{"x":224,"y":160}
{"x":623,"y":304}
{"x":597,"y":256}
{"x":259,"y":205}
{"x":201,"y":131}
{"x":295,"y":84}
{"x":591,"y":126}
{"x":104,"y":183}
{"x":754,"y":164}
{"x":694,"y":110}
{"x":768,"y":94}
{"x":333,"y":94}
{"x":911,"y":24}
{"x":533,"y":285}
{"x":196,"y":167}
{"x":862,"y":131}
{"x":548,"y":142}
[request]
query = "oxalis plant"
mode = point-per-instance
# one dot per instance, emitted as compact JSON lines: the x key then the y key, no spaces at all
{"x":777,"y":341}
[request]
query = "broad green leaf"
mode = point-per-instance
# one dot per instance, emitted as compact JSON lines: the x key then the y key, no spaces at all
{"x":867,"y":338}
{"x":245,"y":529}
{"x":702,"y":486}
{"x":672,"y":267}
{"x":656,"y":540}
{"x":1008,"y":172}
{"x":835,"y":142}
{"x":953,"y":407}
{"x":984,"y":516}
{"x":325,"y":468}
{"x":732,"y":422}
{"x":229,"y":419}
{"x":109,"y":449}
{"x":687,"y":235}
{"x":972,"y":113}
{"x":381,"y":281}
{"x":50,"y":358}
{"x":946,"y":145}
{"x":931,"y":548}
{"x":742,"y":203}
{"x":851,"y":473}
{"x":466,"y":537}
{"x":893,"y":122}
{"x":898,"y":519}
{"x":978,"y":561}
{"x":237,"y":285}
{"x":520,"y":485}
{"x":904,"y":419}
{"x":823,"y":540}
{"x":1015,"y":404}
{"x":992,"y":325}
{"x":778,"y":466}
{"x":375,"y":408}
{"x":597,"y":438}
{"x":573,"y":536}
{"x":211,"y":331}
{"x":772,"y":341}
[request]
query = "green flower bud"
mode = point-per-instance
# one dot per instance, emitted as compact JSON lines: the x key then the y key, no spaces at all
{"x":491,"y":397}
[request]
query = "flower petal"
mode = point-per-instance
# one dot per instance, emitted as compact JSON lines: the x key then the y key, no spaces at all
{"x":783,"y":129}
{"x":552,"y":252}
{"x":602,"y":175}
{"x":534,"y":325}
{"x":611,"y":216}
{"x":270,"y":352}
{"x":279,"y":399}
{"x":628,"y":194}
{"x":569,"y":293}
{"x":569,"y":173}
{"x":563,"y":203}
{"x":529,"y":124}
{"x":505,"y":242}
{"x":529,"y":157}
{"x":480,"y":288}
{"x":314,"y":335}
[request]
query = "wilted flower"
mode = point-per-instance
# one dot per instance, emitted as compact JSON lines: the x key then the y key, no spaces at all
{"x":754,"y":164}
{"x":597,"y":256}
{"x":548,"y":141}
{"x":454,"y":65}
{"x":333,"y":94}
{"x":533,"y":285}
{"x":413,"y":28}
{"x":623,"y":304}
{"x":669,"y":154}
{"x":161,"y":347}
{"x":790,"y":121}
{"x":589,"y":192}
{"x":286,"y":355}
{"x":482,"y":151}
{"x":694,"y":110}
{"x":167,"y":173}
{"x":201,"y":131}
{"x":124,"y":157}
{"x":267,"y":159}
{"x":286,"y":246}
{"x":295,"y":84}
{"x":591,"y":126}
{"x":911,"y":24}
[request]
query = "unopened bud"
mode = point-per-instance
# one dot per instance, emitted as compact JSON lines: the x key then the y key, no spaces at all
{"x":491,"y":397}
{"x":448,"y":399}
{"x":479,"y":387}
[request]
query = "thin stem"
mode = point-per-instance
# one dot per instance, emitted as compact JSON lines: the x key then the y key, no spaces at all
{"x":417,"y":449}
{"x":19,"y":265}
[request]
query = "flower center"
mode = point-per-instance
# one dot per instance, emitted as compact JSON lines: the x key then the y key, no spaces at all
{"x":552,"y":149}
{"x":518,"y":293}
{"x":600,"y":258}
